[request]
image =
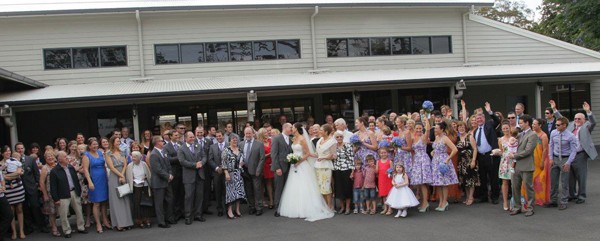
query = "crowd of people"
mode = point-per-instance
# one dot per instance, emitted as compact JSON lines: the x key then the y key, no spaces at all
{"x":388,"y":163}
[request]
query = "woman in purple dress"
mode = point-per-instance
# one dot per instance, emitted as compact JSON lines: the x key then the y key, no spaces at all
{"x":421,"y":175}
{"x":443,"y":170}
{"x":368,"y":142}
{"x":403,"y":154}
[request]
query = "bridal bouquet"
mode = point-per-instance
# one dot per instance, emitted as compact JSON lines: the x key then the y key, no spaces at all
{"x":293,"y":158}
{"x":384,"y":144}
{"x":427,"y":107}
{"x":355,"y":140}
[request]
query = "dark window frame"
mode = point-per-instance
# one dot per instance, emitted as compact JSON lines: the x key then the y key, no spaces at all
{"x":98,"y":48}
{"x":391,"y":44}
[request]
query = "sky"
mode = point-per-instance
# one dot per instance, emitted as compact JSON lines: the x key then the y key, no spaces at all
{"x":533,"y":4}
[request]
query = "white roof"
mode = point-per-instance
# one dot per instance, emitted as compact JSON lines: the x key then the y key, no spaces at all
{"x":32,"y":7}
{"x":242,"y":84}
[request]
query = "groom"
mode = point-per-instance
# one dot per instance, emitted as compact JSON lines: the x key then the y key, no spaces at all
{"x":281,"y":147}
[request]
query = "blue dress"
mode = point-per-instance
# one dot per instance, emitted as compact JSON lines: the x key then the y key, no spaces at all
{"x":99,"y":178}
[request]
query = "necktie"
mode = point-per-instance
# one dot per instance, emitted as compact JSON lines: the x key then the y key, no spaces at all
{"x":221,"y":146}
{"x":479,"y":136}
{"x":175,"y":146}
{"x":575,"y":130}
{"x":560,"y":146}
{"x":201,"y":143}
{"x":192,"y":148}
{"x":247,"y":148}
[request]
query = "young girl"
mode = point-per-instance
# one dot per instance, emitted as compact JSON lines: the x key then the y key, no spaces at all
{"x":369,"y":185}
{"x":358,"y":177}
{"x":384,"y":180}
{"x":401,"y":197}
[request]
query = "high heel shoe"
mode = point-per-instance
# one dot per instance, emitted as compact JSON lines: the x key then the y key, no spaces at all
{"x":442,"y":209}
{"x":231,"y":217}
{"x":425,"y":209}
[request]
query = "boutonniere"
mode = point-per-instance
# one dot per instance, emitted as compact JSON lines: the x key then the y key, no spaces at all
{"x":195,"y":145}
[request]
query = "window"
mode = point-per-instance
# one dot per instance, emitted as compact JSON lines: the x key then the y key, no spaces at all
{"x":358,"y":47}
{"x":57,"y":59}
{"x":420,"y":45}
{"x":240,"y":51}
{"x":288,"y":49}
{"x":167,"y":54}
{"x":441,"y":45}
{"x":401,"y":46}
{"x":264,"y":50}
{"x":337,"y":48}
{"x":380,"y":46}
{"x":217,"y":52}
{"x":85,"y":57}
{"x":192,"y":53}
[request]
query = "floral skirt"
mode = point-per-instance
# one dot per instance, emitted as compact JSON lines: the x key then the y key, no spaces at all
{"x":324,"y":180}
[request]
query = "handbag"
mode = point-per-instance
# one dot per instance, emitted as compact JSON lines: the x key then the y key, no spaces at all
{"x":123,"y":190}
{"x":146,"y":200}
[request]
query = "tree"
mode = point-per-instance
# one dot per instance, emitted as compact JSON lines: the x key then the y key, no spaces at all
{"x":576,"y":22}
{"x":515,"y":13}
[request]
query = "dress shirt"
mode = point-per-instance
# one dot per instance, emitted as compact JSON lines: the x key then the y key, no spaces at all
{"x":286,"y":138}
{"x":69,"y":178}
{"x":576,"y":131}
{"x":563,"y":144}
{"x":247,"y":146}
{"x":484,"y":146}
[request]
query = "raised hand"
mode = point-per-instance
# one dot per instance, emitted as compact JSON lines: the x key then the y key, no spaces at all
{"x":462,"y":103}
{"x":586,"y":106}
{"x":552,"y":104}
{"x":488,"y":108}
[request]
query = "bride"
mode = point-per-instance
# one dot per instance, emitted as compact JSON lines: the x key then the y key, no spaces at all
{"x":301,"y":197}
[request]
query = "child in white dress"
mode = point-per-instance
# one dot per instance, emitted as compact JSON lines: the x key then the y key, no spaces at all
{"x":401,"y":197}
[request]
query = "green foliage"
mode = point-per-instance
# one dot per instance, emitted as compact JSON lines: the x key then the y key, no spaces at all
{"x":515,"y":13}
{"x":576,"y":22}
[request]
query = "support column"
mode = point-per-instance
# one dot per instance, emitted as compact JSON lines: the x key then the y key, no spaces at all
{"x":14,"y":136}
{"x":136,"y":123}
{"x":453,"y":102}
{"x":355,"y":100}
{"x":538,"y":100}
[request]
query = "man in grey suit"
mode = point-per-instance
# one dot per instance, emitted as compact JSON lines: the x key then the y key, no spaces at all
{"x":192,"y":160}
{"x":281,"y":146}
{"x":563,"y":148}
{"x":582,"y":129}
{"x":528,"y":140}
{"x":214,"y":161}
{"x":161,"y":177}
{"x":254,"y":162}
{"x":171,"y":149}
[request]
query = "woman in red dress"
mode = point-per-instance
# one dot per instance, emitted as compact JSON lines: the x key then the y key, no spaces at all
{"x":268,"y":175}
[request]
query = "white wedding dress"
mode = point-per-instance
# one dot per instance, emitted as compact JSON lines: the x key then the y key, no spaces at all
{"x":301,"y":197}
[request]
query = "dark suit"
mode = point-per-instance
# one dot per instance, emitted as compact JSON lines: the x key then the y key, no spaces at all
{"x":214,"y":161}
{"x":32,"y":209}
{"x":205,"y":144}
{"x":176,"y":184}
{"x":254,"y":162}
{"x":488,"y":165}
{"x":163,"y":194}
{"x":193,"y":178}
{"x":552,"y":127}
{"x":279,"y":151}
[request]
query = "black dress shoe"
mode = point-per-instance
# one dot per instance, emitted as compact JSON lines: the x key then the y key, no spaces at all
{"x":277,"y":214}
{"x":515,"y":212}
{"x":82,"y":231}
{"x":188,"y":221}
{"x":67,"y":235}
{"x":580,"y":201}
{"x":252,"y":211}
{"x":172,"y":222}
{"x":259,"y":212}
{"x":494,"y":201}
{"x":207,"y":212}
{"x":164,"y":225}
{"x":200,"y":219}
{"x":551,"y":205}
{"x":220,"y":213}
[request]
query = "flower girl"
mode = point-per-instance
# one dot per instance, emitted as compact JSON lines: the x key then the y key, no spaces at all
{"x":401,"y":197}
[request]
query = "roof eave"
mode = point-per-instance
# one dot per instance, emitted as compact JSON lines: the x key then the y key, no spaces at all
{"x":5,"y":74}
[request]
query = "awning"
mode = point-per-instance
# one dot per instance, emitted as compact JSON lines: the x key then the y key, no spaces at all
{"x":10,"y":81}
{"x":241,"y":84}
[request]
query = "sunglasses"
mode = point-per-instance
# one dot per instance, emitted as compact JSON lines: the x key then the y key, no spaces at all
{"x":557,"y":124}
{"x":511,"y":117}
{"x":547,"y":113}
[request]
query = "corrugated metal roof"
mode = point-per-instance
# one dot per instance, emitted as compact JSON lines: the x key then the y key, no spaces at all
{"x":241,"y":84}
{"x":35,"y":7}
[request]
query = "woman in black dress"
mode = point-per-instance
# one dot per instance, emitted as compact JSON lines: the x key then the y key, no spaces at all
{"x":234,"y":184}
{"x":468,"y":175}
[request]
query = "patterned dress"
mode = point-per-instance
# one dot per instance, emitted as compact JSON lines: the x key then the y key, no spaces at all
{"x":440,"y":154}
{"x":15,"y":192}
{"x":234,"y":189}
{"x":48,"y":207}
{"x":363,"y":151}
{"x":421,"y":168}
{"x":506,"y":169}
{"x":468,"y":177}
{"x":82,"y":183}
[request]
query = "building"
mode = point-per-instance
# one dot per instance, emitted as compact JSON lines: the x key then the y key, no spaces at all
{"x":79,"y":67}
